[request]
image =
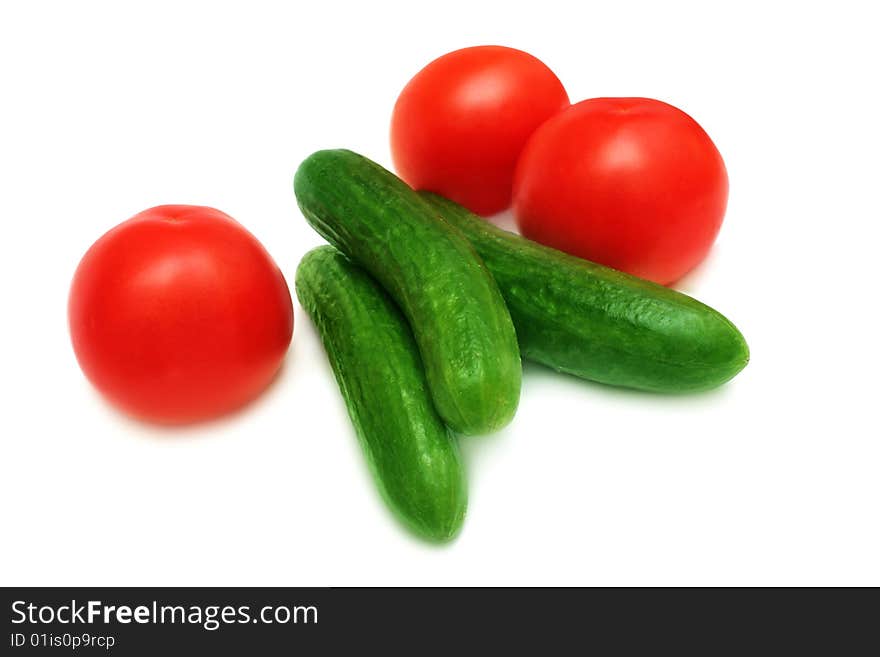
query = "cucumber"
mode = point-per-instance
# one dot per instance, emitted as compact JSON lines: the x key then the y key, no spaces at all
{"x":412,"y":456}
{"x":599,"y":323}
{"x":457,"y":314}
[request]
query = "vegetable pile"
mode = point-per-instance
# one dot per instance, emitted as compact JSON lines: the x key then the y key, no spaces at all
{"x":425,"y":310}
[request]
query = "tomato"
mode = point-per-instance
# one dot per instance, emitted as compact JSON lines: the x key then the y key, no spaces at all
{"x":179,"y":314}
{"x":459,"y":125}
{"x":631,"y":183}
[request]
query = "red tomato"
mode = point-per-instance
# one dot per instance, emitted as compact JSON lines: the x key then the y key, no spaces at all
{"x":631,"y":183}
{"x":179,"y":314}
{"x":459,"y":125}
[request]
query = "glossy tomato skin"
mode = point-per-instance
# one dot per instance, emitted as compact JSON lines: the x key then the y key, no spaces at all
{"x":632,"y":183}
{"x":460,"y":124}
{"x":179,"y":314}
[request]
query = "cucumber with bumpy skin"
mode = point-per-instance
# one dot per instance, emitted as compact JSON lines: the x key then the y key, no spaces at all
{"x":414,"y":460}
{"x":458,"y":317}
{"x":599,"y":323}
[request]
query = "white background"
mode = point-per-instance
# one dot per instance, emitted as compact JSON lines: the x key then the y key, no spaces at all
{"x":109,"y":108}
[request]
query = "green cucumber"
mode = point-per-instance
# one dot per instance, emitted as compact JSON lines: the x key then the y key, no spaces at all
{"x":414,"y":459}
{"x":457,"y":314}
{"x":598,"y":323}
